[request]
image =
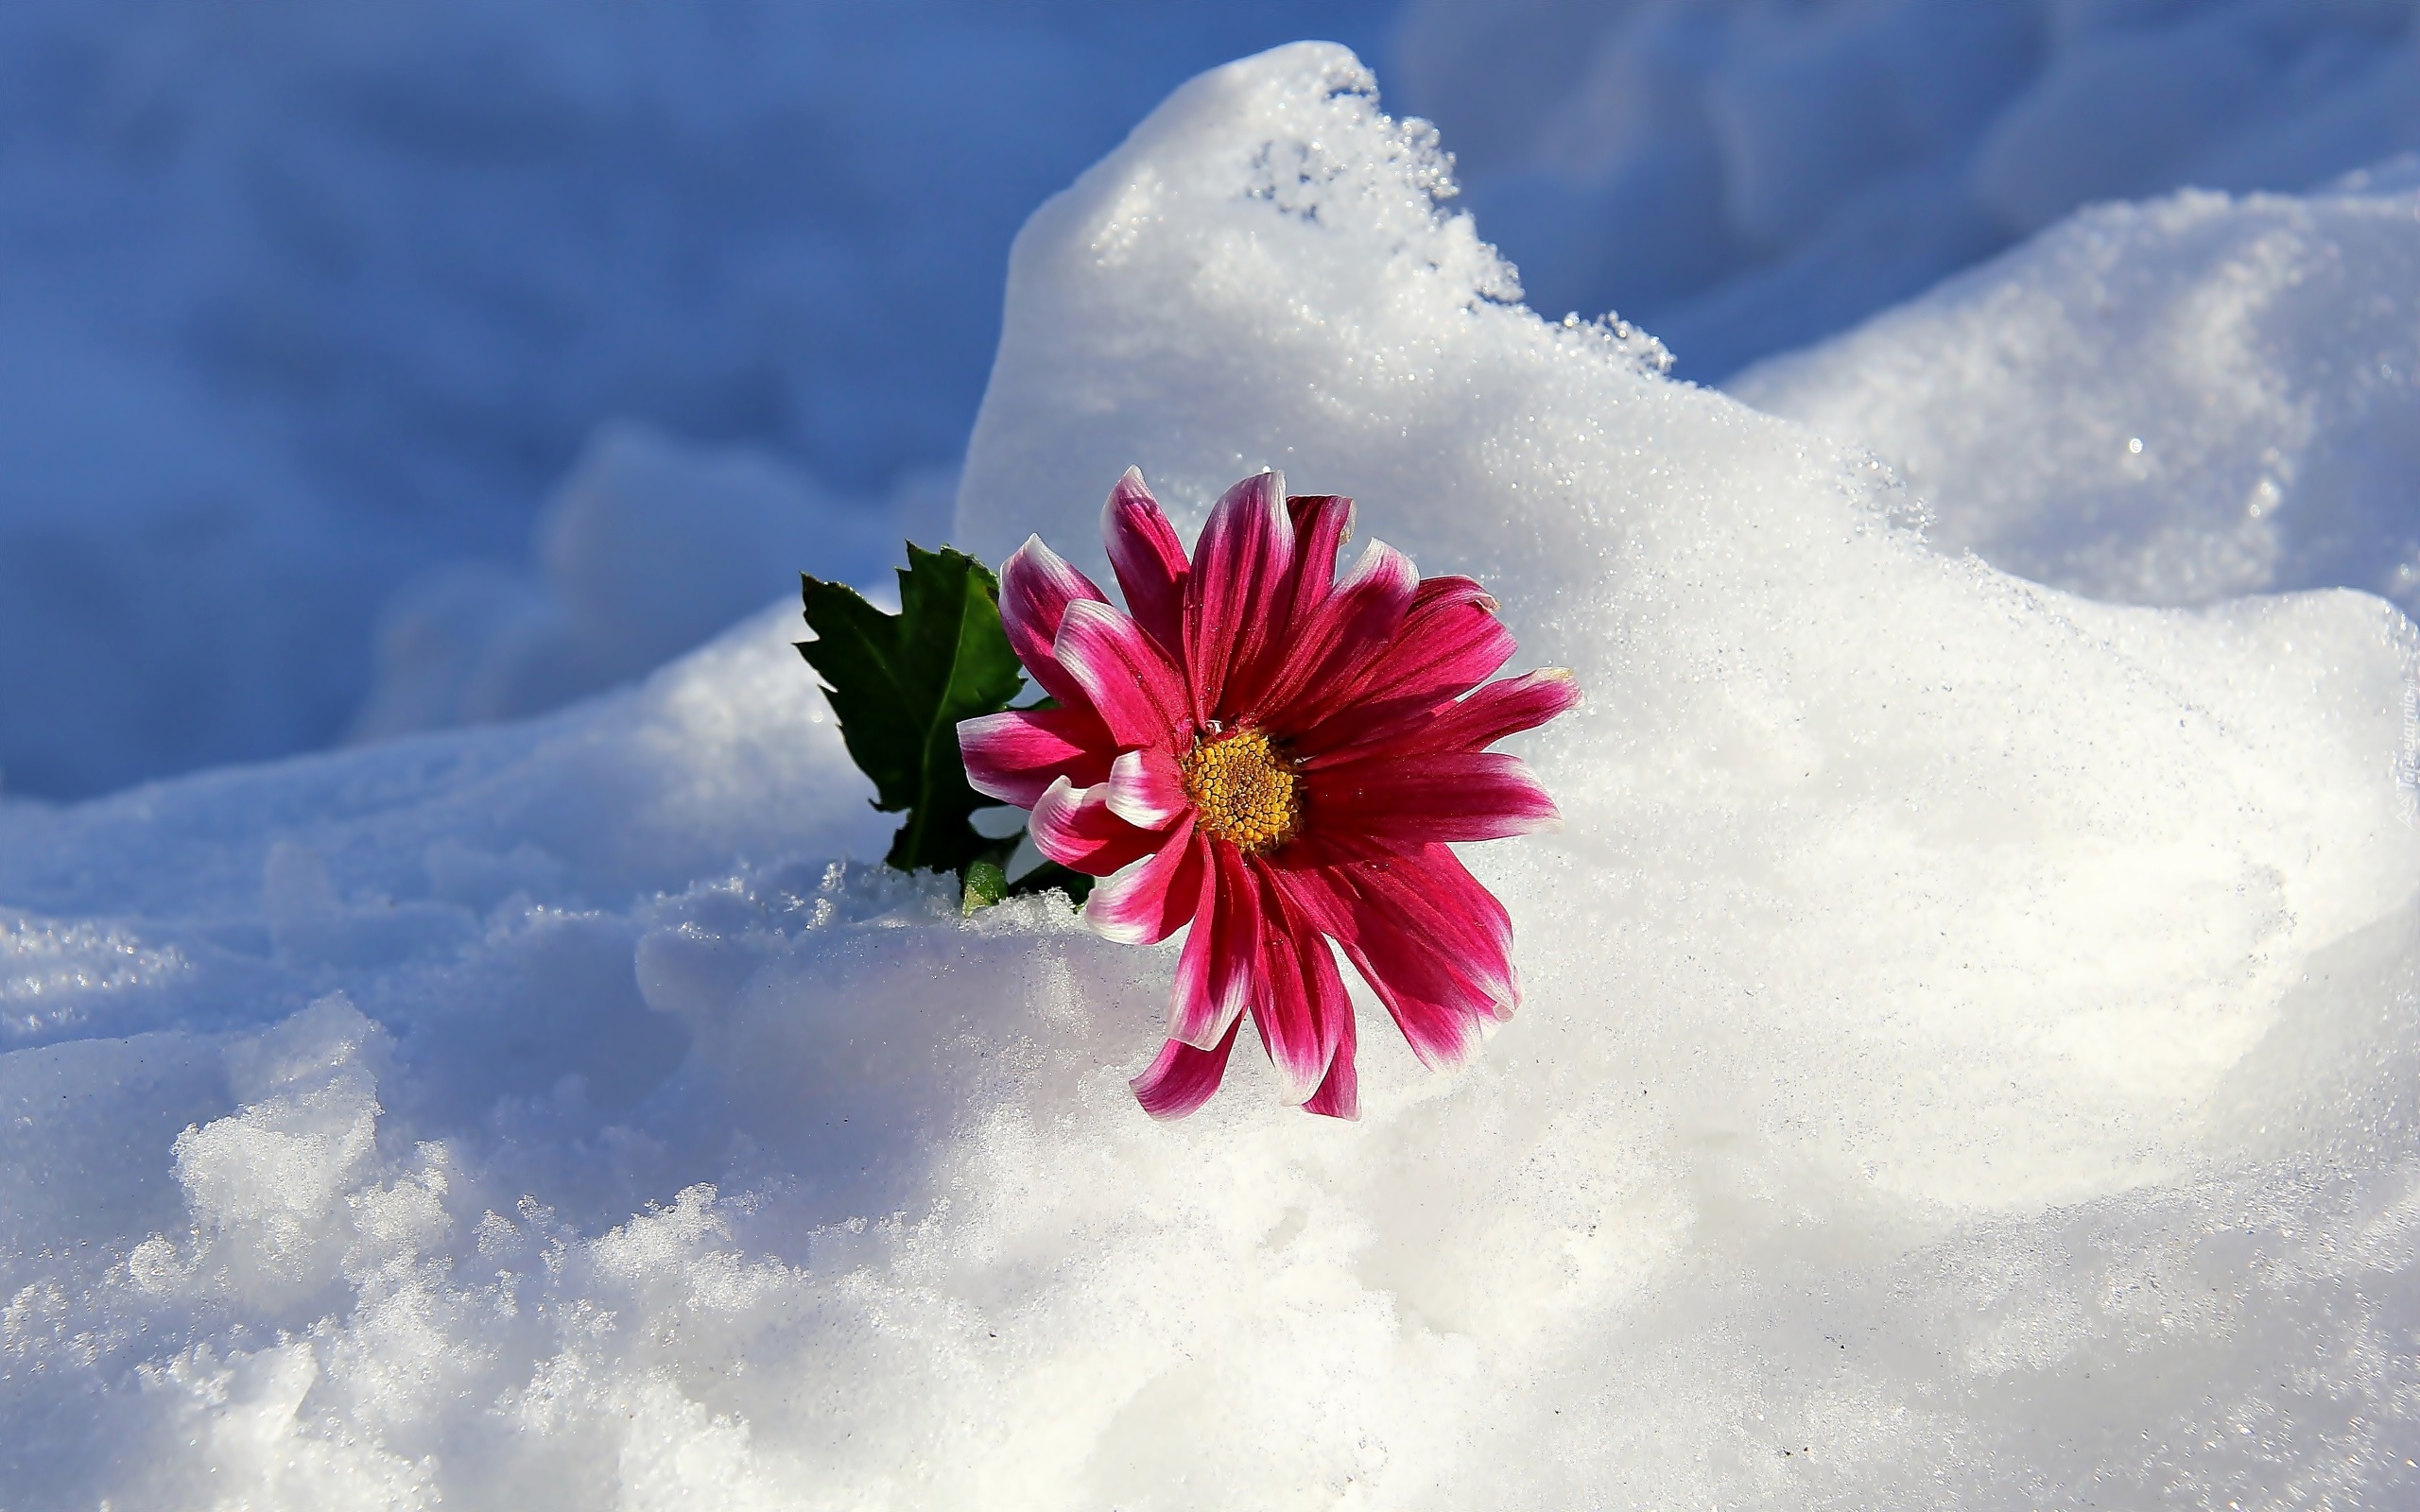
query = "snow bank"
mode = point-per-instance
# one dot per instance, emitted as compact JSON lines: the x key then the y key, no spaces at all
{"x":1745,"y":178}
{"x":1967,"y":1057}
{"x":2168,"y":402}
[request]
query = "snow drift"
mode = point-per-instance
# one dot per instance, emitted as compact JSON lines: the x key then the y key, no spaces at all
{"x":1967,"y":1055}
{"x":2166,"y":402}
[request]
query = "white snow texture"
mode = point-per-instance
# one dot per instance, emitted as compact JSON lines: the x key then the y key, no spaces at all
{"x":1969,"y":1056}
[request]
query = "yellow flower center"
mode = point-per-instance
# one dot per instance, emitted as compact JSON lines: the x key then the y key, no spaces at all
{"x":1243,"y":791}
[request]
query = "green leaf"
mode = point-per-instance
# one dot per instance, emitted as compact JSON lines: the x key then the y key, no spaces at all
{"x":986,"y":884}
{"x":899,"y":685}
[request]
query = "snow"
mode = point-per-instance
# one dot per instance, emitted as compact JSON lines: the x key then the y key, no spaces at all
{"x":2166,"y":402}
{"x":315,"y":307}
{"x":1968,"y":1049}
{"x":1745,"y":177}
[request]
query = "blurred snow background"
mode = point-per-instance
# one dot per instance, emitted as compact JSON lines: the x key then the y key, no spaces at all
{"x":317,"y":313}
{"x":1742,"y":176}
{"x":308,"y":302}
{"x":1970,"y":1045}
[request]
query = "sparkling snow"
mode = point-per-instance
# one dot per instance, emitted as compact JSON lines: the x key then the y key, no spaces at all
{"x":1969,"y":1056}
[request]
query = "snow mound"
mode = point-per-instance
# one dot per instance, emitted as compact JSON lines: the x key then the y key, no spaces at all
{"x":1967,"y":1057}
{"x":2168,"y":402}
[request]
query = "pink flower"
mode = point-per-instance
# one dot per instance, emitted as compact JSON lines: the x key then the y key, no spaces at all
{"x":1272,"y":755}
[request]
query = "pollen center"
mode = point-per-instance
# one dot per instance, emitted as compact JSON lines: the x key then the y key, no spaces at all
{"x":1242,"y":790}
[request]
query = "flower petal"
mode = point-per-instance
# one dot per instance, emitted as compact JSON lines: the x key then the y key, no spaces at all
{"x":1123,"y":675}
{"x":1298,"y":1027}
{"x":1323,"y":523}
{"x":1219,"y":972}
{"x":1441,"y":1031}
{"x":1441,"y":795}
{"x":1440,"y":1019}
{"x":1182,"y":1078}
{"x":1014,"y":756}
{"x":1505,"y":707}
{"x":1438,"y":976}
{"x":1323,"y":661}
{"x":1075,"y":828}
{"x":1152,"y":900}
{"x":1238,"y":594}
{"x":1450,"y":642}
{"x":1320,"y":522}
{"x":1339,"y":1091}
{"x":1442,"y":908}
{"x":1149,"y":561}
{"x":1145,"y":788}
{"x":1036,"y":586}
{"x":1494,"y":711}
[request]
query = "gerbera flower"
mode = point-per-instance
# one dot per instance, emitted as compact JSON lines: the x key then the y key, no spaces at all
{"x":1277,"y":757}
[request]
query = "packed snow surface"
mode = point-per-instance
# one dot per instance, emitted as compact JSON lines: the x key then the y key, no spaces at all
{"x":1969,"y":1055}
